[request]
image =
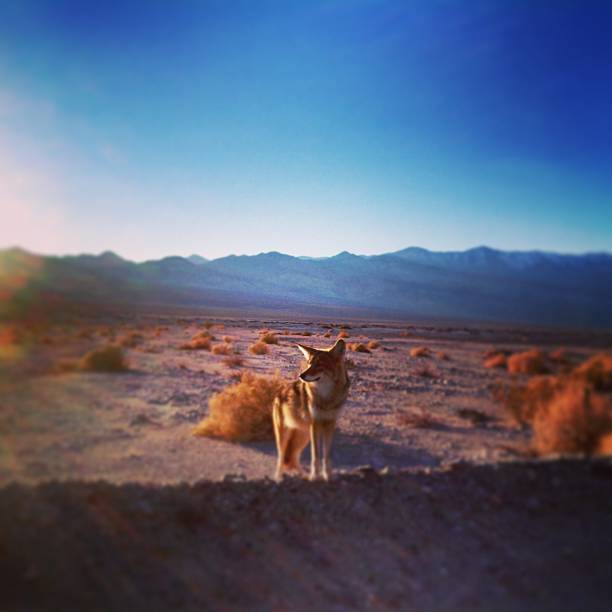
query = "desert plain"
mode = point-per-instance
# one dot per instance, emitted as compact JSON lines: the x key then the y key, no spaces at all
{"x":108,"y":500}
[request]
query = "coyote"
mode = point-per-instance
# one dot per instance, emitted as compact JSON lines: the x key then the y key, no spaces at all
{"x":307,"y":410}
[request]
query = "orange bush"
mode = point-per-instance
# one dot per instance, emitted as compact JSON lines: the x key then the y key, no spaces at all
{"x":259,"y":348}
{"x":570,"y":412}
{"x":358,"y":347}
{"x":426,"y":371}
{"x":373,"y":344}
{"x":10,"y":335}
{"x":521,"y":402}
{"x":222,"y":349}
{"x":227,"y":339}
{"x":575,"y":421}
{"x":159,"y":330}
{"x":205,"y":334}
{"x":106,"y":359}
{"x":596,"y":371}
{"x":196,"y":344}
{"x":443,"y":356}
{"x":233,"y":361}
{"x":559,"y":356}
{"x":420,"y":351}
{"x":269,"y":338}
{"x":496,"y":361}
{"x":528,"y":362}
{"x":242,"y":412}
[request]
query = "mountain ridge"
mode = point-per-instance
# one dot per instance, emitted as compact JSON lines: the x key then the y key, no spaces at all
{"x":481,"y":283}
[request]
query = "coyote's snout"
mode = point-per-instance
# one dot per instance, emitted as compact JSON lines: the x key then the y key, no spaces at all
{"x":307,"y":410}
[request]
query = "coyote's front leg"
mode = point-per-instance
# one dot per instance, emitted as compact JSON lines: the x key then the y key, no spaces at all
{"x":327,"y":437}
{"x":315,"y":449}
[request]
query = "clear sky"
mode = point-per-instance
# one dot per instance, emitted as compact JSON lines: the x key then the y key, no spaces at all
{"x":157,"y":128}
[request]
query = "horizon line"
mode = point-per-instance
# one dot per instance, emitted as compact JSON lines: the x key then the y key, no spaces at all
{"x":275,"y":252}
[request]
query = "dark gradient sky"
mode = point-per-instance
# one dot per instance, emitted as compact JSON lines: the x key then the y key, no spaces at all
{"x":155,"y":128}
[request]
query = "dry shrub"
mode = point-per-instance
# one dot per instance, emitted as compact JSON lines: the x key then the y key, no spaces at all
{"x":196,"y":344}
{"x":327,"y":335}
{"x":570,"y":412}
{"x":233,"y":361}
{"x":358,"y":347}
{"x":131,"y":339}
{"x":373,"y":344}
{"x":559,"y":356}
{"x":426,"y":371}
{"x":496,"y":361}
{"x":443,"y":356}
{"x":222,"y":349}
{"x":205,"y":334}
{"x":575,"y":421}
{"x":269,"y":338}
{"x":242,"y":412}
{"x":420,"y":351}
{"x":11,"y":335}
{"x":521,"y":402}
{"x":306,"y":333}
{"x":106,"y":359}
{"x":597,"y":372}
{"x":605,"y":445}
{"x":418,"y":419}
{"x":342,"y":334}
{"x":528,"y":362}
{"x":259,"y":348}
{"x":227,"y":339}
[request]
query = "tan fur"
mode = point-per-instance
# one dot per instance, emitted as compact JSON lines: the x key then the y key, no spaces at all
{"x":307,"y":410}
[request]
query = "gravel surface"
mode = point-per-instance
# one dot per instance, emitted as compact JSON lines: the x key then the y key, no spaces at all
{"x":518,"y":536}
{"x":108,"y":502}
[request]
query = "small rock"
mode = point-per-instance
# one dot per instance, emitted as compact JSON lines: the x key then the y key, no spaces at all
{"x":234,"y":478}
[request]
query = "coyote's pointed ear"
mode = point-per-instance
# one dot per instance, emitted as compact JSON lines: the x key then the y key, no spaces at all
{"x":307,"y":351}
{"x":338,"y":349}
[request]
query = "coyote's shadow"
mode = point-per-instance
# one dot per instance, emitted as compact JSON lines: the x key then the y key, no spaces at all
{"x":350,"y":450}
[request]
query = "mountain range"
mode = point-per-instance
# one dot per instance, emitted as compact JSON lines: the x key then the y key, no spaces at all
{"x":482,"y":284}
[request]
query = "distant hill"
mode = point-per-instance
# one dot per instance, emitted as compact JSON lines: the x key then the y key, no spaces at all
{"x":482,"y":283}
{"x":197,"y":259}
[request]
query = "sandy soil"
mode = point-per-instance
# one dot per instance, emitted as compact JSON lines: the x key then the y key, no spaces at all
{"x":462,"y":525}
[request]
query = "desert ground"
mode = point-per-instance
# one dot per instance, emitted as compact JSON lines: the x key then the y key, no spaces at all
{"x":108,"y":501}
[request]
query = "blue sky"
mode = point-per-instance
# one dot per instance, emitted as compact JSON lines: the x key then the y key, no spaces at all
{"x":157,"y":128}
